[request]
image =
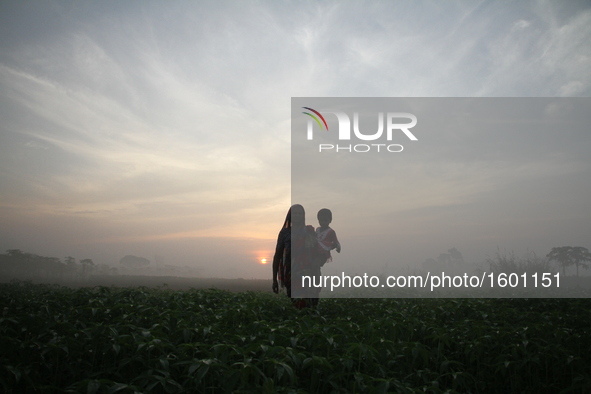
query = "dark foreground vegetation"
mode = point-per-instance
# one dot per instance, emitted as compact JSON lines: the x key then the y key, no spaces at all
{"x":125,"y":340}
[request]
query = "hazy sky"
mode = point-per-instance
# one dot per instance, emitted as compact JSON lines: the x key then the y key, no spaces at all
{"x":483,"y":173}
{"x":163,"y":128}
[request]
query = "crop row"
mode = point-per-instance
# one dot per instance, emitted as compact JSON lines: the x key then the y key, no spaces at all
{"x":106,"y":340}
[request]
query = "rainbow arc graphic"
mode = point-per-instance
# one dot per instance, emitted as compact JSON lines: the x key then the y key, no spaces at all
{"x":315,"y":118}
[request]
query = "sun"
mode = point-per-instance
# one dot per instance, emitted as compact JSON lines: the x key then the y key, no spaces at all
{"x":263,"y":261}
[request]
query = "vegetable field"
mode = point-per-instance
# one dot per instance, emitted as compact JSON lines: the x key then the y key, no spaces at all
{"x":126,"y":340}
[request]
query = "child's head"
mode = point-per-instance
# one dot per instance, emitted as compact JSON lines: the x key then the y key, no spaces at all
{"x":324,"y":217}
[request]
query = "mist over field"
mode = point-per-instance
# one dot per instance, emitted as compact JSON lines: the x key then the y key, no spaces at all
{"x":162,"y":130}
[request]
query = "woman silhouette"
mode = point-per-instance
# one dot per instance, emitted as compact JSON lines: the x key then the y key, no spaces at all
{"x":296,"y":254}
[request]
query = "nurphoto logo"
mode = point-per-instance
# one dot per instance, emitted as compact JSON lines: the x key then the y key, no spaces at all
{"x":393,"y":125}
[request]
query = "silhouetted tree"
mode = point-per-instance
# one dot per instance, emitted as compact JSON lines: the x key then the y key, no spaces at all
{"x":87,"y":266}
{"x":71,"y":266}
{"x":131,"y":261}
{"x":453,"y":256}
{"x":568,"y":255}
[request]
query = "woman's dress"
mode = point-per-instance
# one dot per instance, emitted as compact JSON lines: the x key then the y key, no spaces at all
{"x":299,"y":254}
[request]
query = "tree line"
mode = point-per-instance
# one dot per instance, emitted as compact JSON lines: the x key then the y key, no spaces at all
{"x":16,"y":263}
{"x":562,"y":257}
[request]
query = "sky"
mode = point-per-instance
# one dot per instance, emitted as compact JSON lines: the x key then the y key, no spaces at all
{"x":162,"y":129}
{"x":473,"y":174}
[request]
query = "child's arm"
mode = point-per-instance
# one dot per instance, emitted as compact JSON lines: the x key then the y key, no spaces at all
{"x":335,"y":243}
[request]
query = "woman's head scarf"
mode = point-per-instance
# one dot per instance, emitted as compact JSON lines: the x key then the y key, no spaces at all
{"x":287,"y":223}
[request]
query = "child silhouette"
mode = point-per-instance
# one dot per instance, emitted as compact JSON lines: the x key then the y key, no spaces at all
{"x":327,"y":237}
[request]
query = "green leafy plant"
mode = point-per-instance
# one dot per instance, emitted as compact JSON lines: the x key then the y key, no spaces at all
{"x":127,"y":340}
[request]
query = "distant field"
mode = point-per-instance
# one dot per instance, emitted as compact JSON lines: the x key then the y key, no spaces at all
{"x":172,"y":282}
{"x":141,"y":339}
{"x":182,"y":283}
